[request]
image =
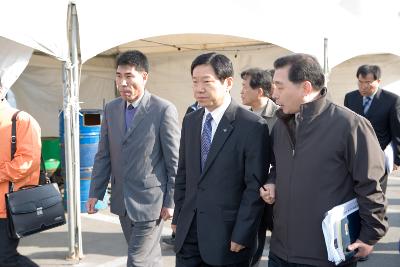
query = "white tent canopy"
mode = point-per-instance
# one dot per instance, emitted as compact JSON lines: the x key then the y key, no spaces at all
{"x":39,"y":24}
{"x":351,"y":26}
{"x":14,"y":58}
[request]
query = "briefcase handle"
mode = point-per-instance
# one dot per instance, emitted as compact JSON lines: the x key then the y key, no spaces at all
{"x":14,"y":148}
{"x":29,"y":186}
{"x":13,"y":143}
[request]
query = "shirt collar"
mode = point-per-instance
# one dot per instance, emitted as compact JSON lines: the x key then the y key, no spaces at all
{"x":219,"y":111}
{"x":371,"y":96}
{"x":135,"y":103}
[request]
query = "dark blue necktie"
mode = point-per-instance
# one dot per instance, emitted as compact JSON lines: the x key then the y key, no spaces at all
{"x":129,"y":113}
{"x":206,"y":139}
{"x":366,"y":104}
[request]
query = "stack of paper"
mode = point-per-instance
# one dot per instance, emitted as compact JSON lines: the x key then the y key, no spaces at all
{"x":341,"y":227}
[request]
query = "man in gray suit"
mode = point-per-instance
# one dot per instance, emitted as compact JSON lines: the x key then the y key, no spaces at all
{"x":138,"y":149}
{"x":223,"y":159}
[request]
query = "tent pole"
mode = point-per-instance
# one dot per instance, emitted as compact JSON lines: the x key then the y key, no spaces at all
{"x":326,"y":66}
{"x":71,"y":137}
{"x":69,"y":182}
{"x":75,"y":123}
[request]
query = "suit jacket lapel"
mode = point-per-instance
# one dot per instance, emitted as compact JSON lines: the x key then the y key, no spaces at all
{"x":375,"y":101}
{"x":140,"y":114}
{"x":196,"y":133}
{"x":222,"y":133}
{"x":359,"y":104}
{"x":121,"y":119}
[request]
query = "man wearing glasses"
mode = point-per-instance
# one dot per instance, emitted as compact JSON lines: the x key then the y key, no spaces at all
{"x":381,"y":108}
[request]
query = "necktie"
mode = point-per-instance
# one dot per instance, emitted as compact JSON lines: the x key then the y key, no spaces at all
{"x":206,"y":139}
{"x":129,"y":113}
{"x":366,"y":104}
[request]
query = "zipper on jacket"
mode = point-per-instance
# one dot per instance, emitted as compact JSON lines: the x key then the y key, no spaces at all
{"x":291,"y":143}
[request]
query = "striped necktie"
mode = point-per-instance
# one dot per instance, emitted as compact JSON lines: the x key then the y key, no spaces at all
{"x":206,"y":139}
{"x":367,"y":104}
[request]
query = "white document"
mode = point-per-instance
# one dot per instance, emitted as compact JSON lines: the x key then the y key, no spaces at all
{"x":331,"y":227}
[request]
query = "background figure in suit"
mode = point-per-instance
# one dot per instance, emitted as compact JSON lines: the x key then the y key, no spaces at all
{"x":195,"y":106}
{"x":256,"y":93}
{"x":381,"y":108}
{"x":223,"y":148}
{"x":139,"y":148}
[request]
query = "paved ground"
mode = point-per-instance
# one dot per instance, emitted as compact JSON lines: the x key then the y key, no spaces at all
{"x":104,"y":244}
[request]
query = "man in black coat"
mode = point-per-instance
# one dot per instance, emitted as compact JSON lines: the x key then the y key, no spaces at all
{"x":223,"y":158}
{"x":380,"y":107}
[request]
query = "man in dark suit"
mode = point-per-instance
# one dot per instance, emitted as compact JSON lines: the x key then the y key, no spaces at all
{"x":380,"y":107}
{"x":138,"y":149}
{"x":223,"y":158}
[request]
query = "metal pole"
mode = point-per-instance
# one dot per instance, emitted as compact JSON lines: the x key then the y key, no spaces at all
{"x":75,"y":129}
{"x":326,"y":65}
{"x":71,"y":137}
{"x":69,"y":181}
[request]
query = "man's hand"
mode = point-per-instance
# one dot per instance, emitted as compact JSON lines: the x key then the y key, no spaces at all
{"x":173,"y":227}
{"x":235,"y":247}
{"x":268,"y":194}
{"x":90,"y":205}
{"x":363,"y":249}
{"x":396,"y":167}
{"x":166,"y":213}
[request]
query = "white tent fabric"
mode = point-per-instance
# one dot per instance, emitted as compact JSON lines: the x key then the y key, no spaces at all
{"x":299,"y":26}
{"x":14,"y":58}
{"x":39,"y":89}
{"x":39,"y":24}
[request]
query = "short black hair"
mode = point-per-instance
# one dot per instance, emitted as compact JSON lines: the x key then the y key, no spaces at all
{"x":220,"y":63}
{"x":364,"y":70}
{"x":303,"y":67}
{"x":259,"y":78}
{"x":134,"y":58}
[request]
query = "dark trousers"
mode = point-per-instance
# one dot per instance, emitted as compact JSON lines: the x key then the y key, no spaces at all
{"x":189,"y":255}
{"x":265,"y":224}
{"x":275,"y":261}
{"x":9,"y":257}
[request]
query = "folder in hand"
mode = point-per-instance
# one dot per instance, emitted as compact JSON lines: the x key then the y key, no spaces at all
{"x":341,"y":227}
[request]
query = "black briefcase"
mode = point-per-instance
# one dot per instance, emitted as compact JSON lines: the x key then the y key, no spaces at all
{"x":34,"y":209}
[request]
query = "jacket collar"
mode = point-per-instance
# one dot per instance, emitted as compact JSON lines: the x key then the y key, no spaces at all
{"x":308,"y":110}
{"x":269,"y":109}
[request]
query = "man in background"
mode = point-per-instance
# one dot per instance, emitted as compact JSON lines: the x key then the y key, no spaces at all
{"x":256,"y":93}
{"x":381,"y":108}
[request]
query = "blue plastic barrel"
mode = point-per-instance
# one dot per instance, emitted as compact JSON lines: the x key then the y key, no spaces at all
{"x":89,"y":136}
